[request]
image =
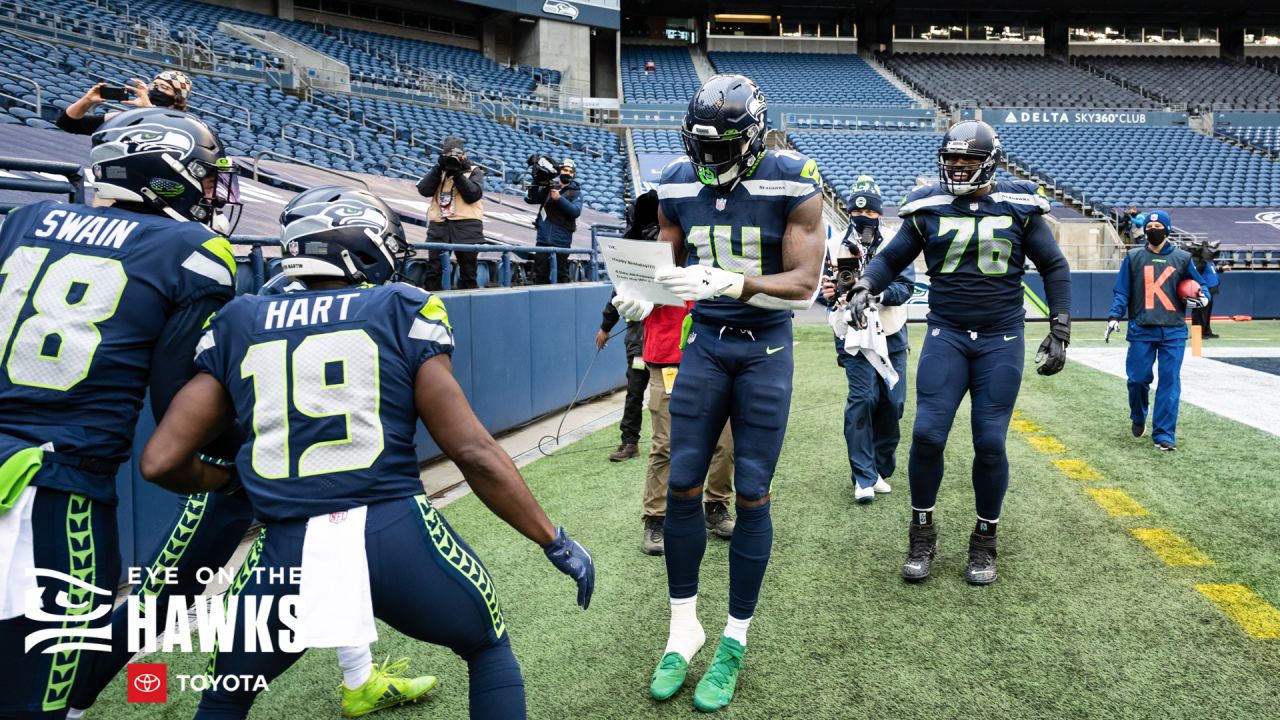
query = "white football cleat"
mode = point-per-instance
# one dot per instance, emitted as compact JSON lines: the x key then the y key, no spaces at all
{"x":864,"y":494}
{"x":881,"y":486}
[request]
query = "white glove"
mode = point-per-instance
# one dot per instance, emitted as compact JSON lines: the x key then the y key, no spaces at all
{"x":1198,"y":301}
{"x":700,"y":282}
{"x":1112,"y":326}
{"x":838,"y":319}
{"x":632,"y":309}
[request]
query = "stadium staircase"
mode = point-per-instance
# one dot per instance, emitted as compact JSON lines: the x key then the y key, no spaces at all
{"x":701,"y":63}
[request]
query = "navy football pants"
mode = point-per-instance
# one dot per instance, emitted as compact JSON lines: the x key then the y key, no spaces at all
{"x":77,"y":537}
{"x":745,"y":378}
{"x":425,"y":582}
{"x":205,"y":532}
{"x":989,"y":368}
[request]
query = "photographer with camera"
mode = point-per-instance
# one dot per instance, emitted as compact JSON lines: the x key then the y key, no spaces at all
{"x":558,"y":197}
{"x":169,"y":89}
{"x":455,"y":187}
{"x":874,"y":405}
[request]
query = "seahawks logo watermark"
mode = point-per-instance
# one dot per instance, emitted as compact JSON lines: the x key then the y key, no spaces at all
{"x":1267,"y":217}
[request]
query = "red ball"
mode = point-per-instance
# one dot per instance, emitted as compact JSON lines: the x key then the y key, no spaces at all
{"x":1188,"y":289}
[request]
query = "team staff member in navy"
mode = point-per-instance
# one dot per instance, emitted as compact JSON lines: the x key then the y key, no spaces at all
{"x":1146,"y":293}
{"x":560,"y":204}
{"x":873,"y":409}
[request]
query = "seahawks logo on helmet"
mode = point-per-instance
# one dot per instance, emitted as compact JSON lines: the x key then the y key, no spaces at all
{"x":347,"y":214}
{"x":156,"y":138}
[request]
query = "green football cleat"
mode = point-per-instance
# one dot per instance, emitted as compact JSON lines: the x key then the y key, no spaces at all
{"x":385,"y":688}
{"x":668,"y":678}
{"x":715,"y":689}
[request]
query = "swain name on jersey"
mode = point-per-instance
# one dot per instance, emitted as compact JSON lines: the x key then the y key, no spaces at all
{"x":69,"y":226}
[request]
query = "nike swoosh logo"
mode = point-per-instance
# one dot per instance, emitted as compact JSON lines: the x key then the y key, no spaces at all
{"x":1007,"y":338}
{"x":770,"y":351}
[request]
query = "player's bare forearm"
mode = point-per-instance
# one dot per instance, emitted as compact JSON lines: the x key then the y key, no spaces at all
{"x":672,"y":234}
{"x":487,"y":468}
{"x":197,"y":415}
{"x":803,"y":246}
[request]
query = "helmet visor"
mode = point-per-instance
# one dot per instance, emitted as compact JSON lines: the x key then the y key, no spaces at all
{"x":711,"y":152}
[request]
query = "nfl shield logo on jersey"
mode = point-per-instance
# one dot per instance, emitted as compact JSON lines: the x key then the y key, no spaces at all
{"x":721,"y":203}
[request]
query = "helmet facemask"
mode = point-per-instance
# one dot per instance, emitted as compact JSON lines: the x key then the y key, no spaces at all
{"x":966,"y":178}
{"x":723,"y":130}
{"x":720,"y":159}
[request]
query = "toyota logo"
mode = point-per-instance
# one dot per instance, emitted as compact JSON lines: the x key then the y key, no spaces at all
{"x":146,"y":683}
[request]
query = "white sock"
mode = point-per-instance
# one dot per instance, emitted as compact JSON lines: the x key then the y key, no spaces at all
{"x":75,"y":714}
{"x":357,"y":665}
{"x":737,"y":629}
{"x":686,"y":636}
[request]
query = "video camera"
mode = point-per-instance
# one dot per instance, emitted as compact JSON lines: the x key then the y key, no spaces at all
{"x":850,"y":267}
{"x":542,"y":170}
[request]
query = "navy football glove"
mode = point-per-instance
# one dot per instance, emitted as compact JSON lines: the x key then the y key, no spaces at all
{"x":573,"y":560}
{"x":859,"y":302}
{"x":1052,"y":354}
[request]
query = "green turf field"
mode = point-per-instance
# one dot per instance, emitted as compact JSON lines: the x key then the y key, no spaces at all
{"x":1085,"y":622}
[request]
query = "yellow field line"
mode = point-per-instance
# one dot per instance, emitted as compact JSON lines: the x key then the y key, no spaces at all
{"x":1170,"y":547}
{"x":1116,"y":502}
{"x":1047,"y":445}
{"x":1253,"y":614}
{"x":1024,"y":426}
{"x":1077,"y":470}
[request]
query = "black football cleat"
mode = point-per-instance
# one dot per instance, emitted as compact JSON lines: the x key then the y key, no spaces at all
{"x":981,"y":568}
{"x":1166,"y":446}
{"x":923,"y":546}
{"x":1138,"y":430}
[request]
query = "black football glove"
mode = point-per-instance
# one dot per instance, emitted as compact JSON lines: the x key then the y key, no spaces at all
{"x":1052,"y":354}
{"x":859,"y":303}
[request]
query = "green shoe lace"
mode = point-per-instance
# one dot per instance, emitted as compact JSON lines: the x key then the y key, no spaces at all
{"x":671,"y":661}
{"x":716,"y":687}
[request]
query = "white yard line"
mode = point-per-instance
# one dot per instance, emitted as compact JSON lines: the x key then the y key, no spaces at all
{"x":1237,"y":393}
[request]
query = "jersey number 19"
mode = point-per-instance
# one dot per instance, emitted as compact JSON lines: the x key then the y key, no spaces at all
{"x":329,"y":375}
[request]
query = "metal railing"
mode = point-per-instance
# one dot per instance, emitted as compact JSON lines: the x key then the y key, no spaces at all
{"x":426,"y":166}
{"x":71,"y":183}
{"x":257,"y":158}
{"x":351,"y":155}
{"x":505,"y":265}
{"x":38,"y":104}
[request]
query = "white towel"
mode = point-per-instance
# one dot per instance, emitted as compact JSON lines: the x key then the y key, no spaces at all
{"x":871,"y":342}
{"x":337,"y":604}
{"x":17,"y":556}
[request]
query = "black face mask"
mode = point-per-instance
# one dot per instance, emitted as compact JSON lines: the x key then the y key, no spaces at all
{"x":1155,"y":236}
{"x":863,"y":225}
{"x":566,"y":179}
{"x":159,"y":98}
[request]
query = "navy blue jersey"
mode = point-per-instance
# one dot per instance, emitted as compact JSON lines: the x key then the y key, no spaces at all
{"x":88,"y":294}
{"x":975,"y":250}
{"x":741,"y":230}
{"x":322,"y":383}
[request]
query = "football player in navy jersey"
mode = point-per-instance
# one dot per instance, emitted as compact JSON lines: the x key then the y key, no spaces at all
{"x":204,"y":535}
{"x":745,"y":225}
{"x":327,"y":384}
{"x":97,"y":306}
{"x":976,"y":234}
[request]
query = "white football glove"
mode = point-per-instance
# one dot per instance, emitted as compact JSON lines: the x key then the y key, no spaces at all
{"x":632,"y":309}
{"x":1198,"y":301}
{"x":1112,"y":326}
{"x":700,"y":282}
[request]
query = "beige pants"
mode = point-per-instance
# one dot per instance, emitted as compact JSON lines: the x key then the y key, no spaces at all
{"x":719,"y":486}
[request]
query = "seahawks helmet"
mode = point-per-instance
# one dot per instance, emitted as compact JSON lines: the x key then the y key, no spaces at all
{"x":341,"y":232}
{"x":723,"y":130}
{"x":969,"y":139}
{"x":162,"y":159}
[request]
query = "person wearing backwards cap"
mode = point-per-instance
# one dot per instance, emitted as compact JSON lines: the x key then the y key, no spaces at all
{"x":1153,"y":292}
{"x":874,"y":407}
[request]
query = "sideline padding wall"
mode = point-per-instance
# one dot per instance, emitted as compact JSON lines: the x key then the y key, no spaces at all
{"x":519,"y":353}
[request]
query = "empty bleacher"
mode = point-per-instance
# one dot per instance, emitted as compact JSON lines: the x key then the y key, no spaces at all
{"x":1009,"y":81}
{"x":1200,"y":82}
{"x":813,"y":78}
{"x":673,"y":80}
{"x":1149,"y":166}
{"x":656,"y":141}
{"x":1267,"y":138}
